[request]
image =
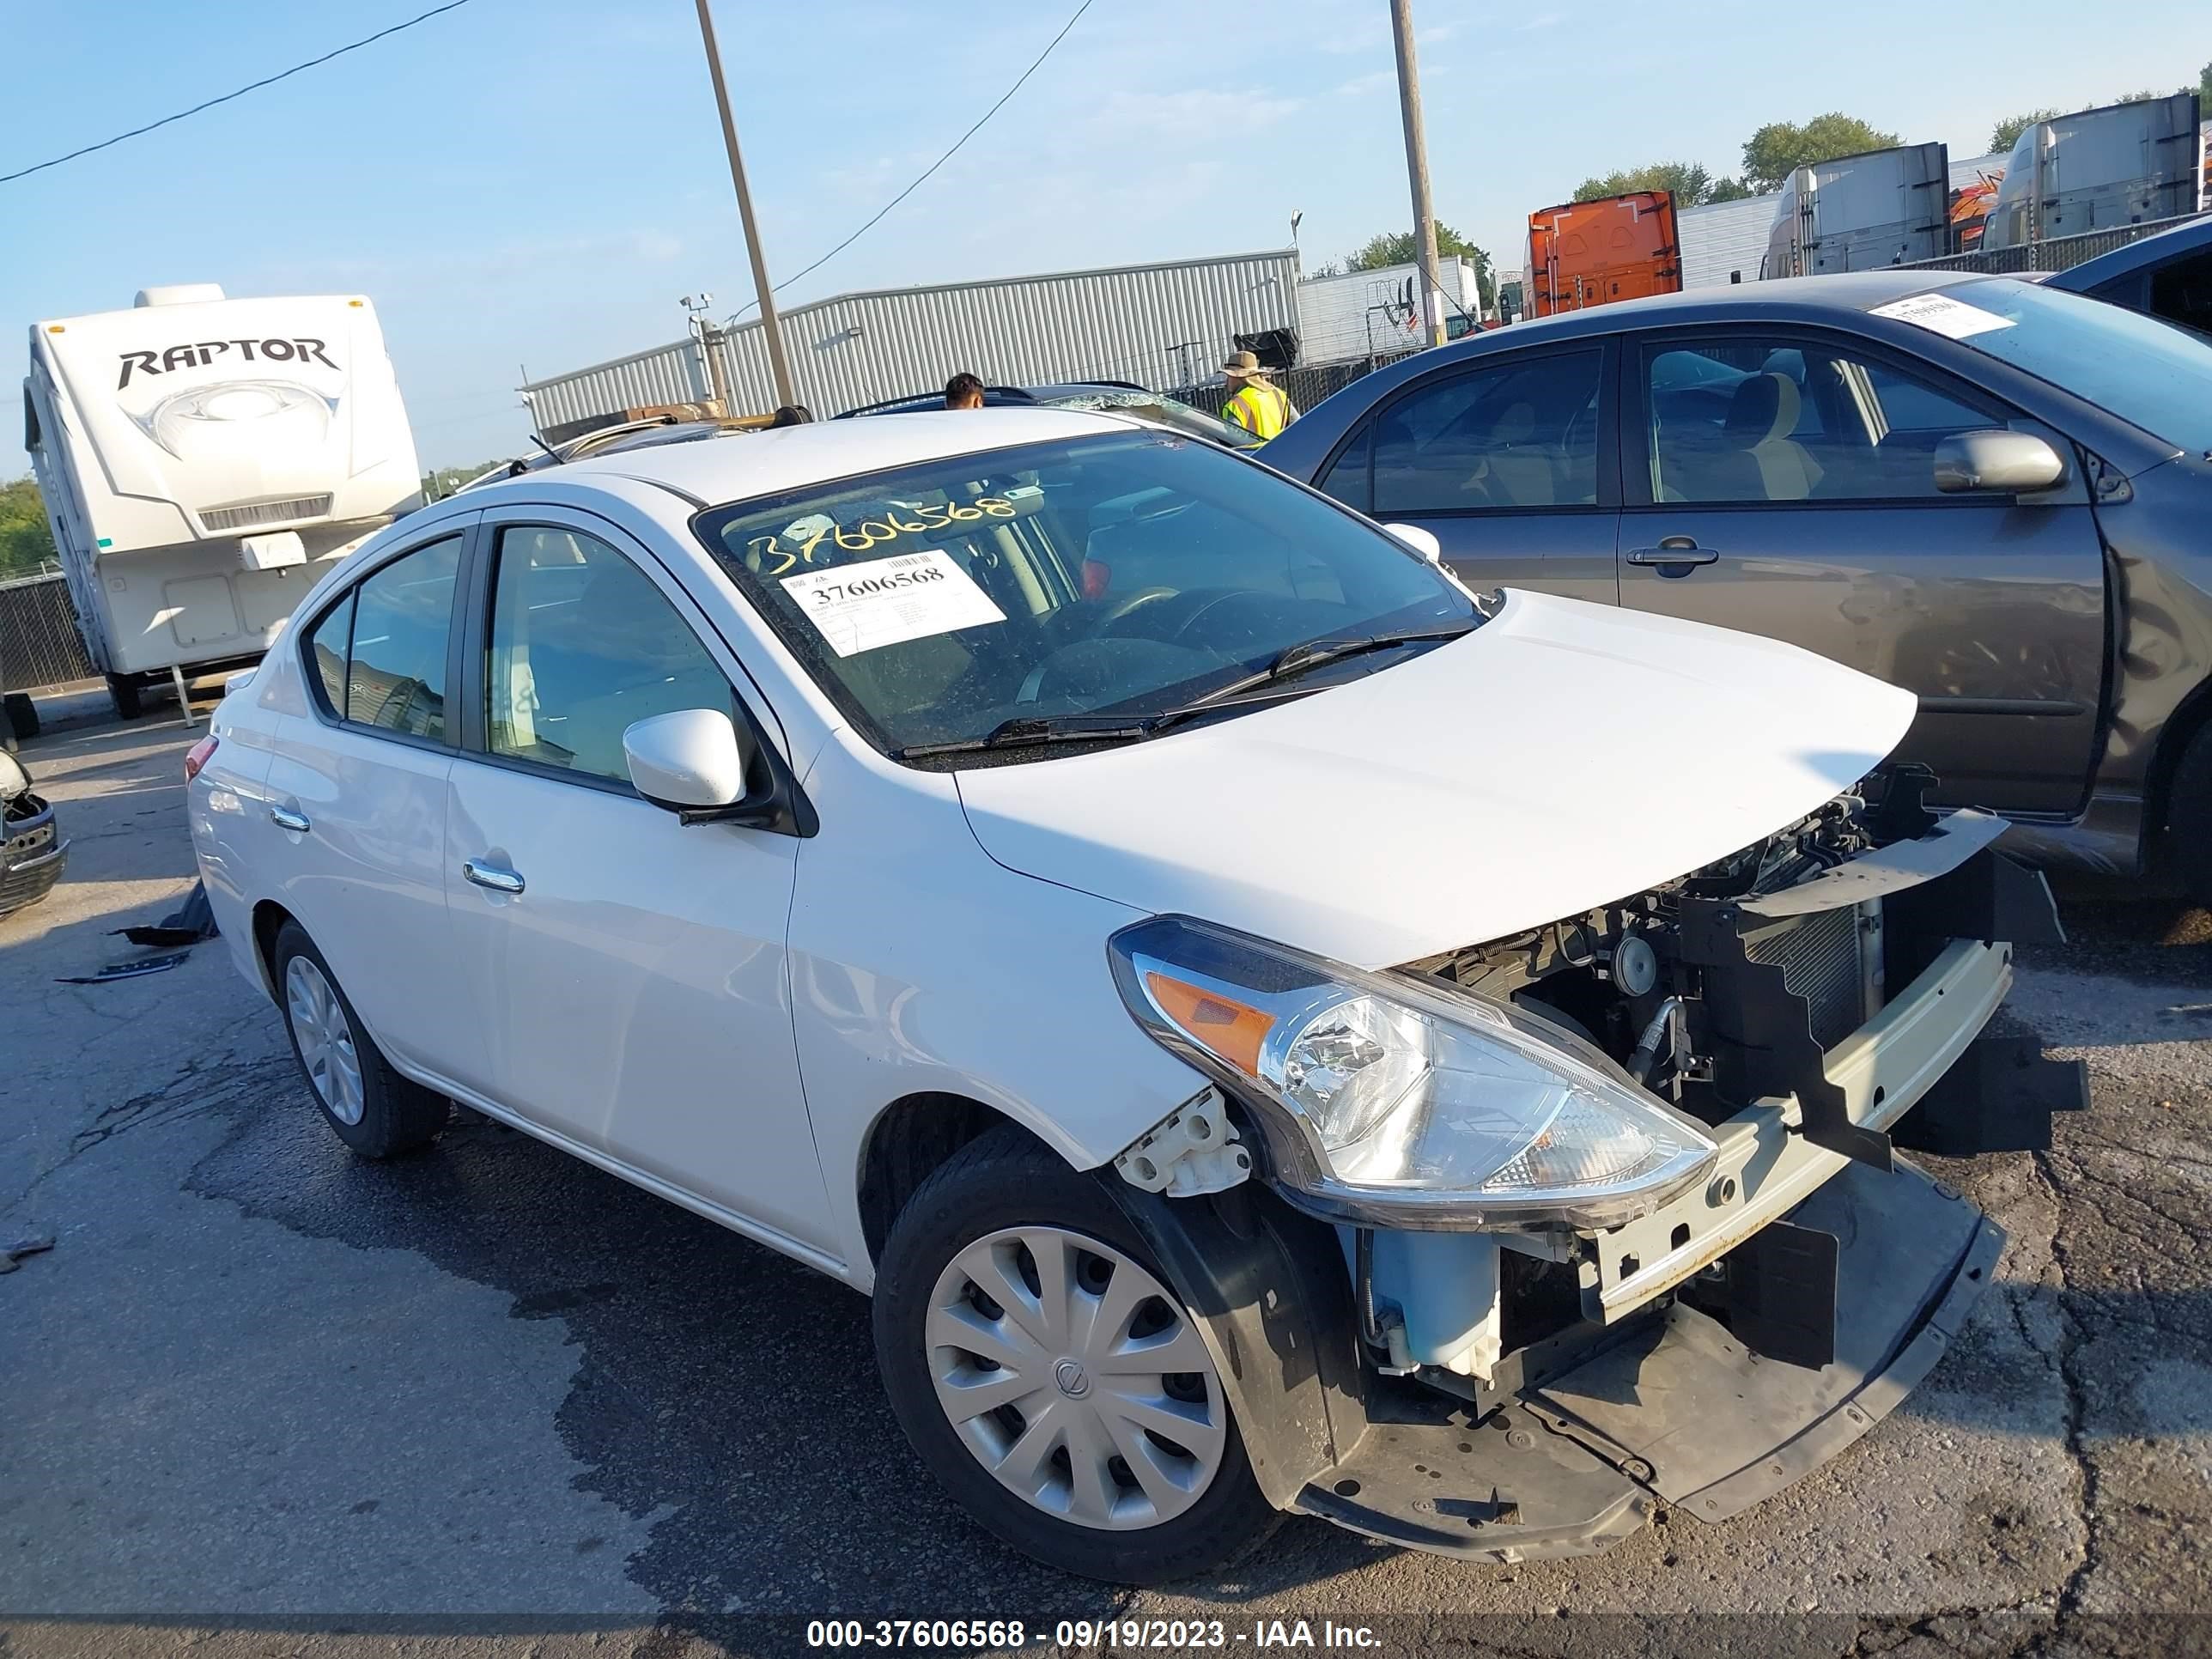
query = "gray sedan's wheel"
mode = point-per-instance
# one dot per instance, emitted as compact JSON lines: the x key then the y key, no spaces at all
{"x":1074,"y":1377}
{"x":2189,"y":818}
{"x":1053,"y":1379}
{"x":373,"y":1109}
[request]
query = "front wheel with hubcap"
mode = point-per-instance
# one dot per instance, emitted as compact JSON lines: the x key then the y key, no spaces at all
{"x":1051,"y":1377}
{"x":373,"y":1109}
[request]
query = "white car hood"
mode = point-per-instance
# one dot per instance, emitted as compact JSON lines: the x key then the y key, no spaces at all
{"x":1562,"y":755}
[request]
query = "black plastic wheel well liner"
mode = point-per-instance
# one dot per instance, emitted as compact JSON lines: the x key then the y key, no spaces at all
{"x":269,"y":919}
{"x":1273,"y":1298}
{"x":909,"y":1139}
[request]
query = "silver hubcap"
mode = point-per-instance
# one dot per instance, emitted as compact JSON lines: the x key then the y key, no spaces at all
{"x":319,"y":1026}
{"x":1076,"y":1378}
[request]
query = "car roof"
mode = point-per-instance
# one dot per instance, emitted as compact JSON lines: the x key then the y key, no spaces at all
{"x":1785,"y":296}
{"x":819,"y":452}
{"x":997,"y":396}
{"x":2134,"y":256}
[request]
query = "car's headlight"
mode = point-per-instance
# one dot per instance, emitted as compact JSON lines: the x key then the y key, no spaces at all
{"x":1381,"y":1098}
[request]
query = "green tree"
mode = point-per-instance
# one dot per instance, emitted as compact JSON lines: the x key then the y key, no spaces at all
{"x":1396,"y":248}
{"x":2204,"y":93}
{"x":2006,"y":133}
{"x":1688,"y":183}
{"x":1729,"y":190}
{"x":25,"y":542}
{"x":1780,"y":147}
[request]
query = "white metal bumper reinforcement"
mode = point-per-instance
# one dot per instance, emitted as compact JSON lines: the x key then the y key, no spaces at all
{"x":1765,"y":1169}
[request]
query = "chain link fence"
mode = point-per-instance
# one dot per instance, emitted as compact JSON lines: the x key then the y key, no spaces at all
{"x":40,"y":645}
{"x":1307,"y":384}
{"x":2059,"y":253}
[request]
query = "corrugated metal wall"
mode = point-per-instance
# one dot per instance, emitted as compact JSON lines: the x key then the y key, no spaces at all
{"x":1159,"y":324}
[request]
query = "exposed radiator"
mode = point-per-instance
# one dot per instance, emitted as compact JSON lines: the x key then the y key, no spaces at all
{"x":1821,"y":959}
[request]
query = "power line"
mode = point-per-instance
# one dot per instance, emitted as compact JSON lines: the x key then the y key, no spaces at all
{"x":266,"y":81}
{"x":780,"y":287}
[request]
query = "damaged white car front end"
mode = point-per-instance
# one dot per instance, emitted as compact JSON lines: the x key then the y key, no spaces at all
{"x":1614,"y":1201}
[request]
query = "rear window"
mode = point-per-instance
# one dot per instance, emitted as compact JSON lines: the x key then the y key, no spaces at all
{"x":2150,"y":374}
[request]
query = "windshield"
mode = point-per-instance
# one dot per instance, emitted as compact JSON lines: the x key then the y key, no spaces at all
{"x":1161,"y":411}
{"x":2149,"y":373}
{"x":1122,"y":575}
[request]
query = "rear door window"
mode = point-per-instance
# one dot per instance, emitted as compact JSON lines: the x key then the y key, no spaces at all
{"x":402,"y":626}
{"x":1517,"y":436}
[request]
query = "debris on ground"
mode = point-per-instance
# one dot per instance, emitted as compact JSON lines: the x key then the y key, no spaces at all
{"x":131,"y":969}
{"x":190,"y":923}
{"x":11,"y":1255}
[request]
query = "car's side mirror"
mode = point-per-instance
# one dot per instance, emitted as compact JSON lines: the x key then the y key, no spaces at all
{"x":693,"y":762}
{"x":2004,"y":463}
{"x":1423,"y":542}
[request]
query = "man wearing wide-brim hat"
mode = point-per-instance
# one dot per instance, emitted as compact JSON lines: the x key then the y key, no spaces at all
{"x":1255,"y":402}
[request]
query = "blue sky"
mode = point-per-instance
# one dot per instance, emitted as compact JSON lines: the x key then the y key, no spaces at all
{"x":535,"y":183}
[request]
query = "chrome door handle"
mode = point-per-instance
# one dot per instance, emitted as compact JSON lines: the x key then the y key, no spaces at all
{"x":491,"y":876}
{"x":285,"y":818}
{"x":1676,"y":550}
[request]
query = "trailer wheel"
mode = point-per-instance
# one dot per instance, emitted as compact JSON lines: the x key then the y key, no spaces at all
{"x":22,"y":716}
{"x":123,"y":691}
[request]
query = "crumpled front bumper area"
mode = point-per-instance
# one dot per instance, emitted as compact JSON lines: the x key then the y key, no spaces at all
{"x":32,"y":854}
{"x":1675,"y":1409}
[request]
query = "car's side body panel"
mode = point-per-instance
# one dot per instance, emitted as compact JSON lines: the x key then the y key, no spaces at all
{"x":900,"y":922}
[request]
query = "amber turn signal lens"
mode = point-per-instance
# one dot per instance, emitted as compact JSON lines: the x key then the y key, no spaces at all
{"x":1230,"y":1030}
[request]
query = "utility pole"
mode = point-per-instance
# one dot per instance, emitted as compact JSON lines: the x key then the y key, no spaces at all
{"x":771,"y":330}
{"x":1416,"y":167}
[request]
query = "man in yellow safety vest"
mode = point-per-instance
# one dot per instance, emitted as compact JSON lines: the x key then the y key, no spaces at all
{"x":1255,"y":402}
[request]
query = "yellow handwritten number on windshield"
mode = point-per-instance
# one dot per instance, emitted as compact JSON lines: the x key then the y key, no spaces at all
{"x":873,"y":532}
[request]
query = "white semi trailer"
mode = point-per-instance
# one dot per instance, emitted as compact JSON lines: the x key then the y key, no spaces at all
{"x":202,"y":459}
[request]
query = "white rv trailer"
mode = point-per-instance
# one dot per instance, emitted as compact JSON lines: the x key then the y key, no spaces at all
{"x":201,"y":460}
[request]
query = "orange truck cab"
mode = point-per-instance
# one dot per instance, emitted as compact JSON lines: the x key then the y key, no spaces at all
{"x":1590,"y":253}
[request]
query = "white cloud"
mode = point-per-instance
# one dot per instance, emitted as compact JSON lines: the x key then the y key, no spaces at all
{"x":1373,"y":80}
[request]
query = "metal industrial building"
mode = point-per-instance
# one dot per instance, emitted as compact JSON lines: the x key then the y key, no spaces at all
{"x":1166,"y":325}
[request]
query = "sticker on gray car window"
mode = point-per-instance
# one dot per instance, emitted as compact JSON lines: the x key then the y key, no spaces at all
{"x":1939,"y":313}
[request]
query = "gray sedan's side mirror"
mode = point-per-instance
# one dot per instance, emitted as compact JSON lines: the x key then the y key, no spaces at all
{"x":2006,"y":463}
{"x":692,"y":761}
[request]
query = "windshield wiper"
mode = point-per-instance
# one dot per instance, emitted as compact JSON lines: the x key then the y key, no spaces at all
{"x":1024,"y":730}
{"x":1289,"y":664}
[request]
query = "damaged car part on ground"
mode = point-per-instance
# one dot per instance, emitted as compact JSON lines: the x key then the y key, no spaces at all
{"x":33,"y":853}
{"x":1015,"y":862}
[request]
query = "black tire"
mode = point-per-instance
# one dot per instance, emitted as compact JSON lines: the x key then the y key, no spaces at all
{"x":123,"y":691}
{"x":397,"y":1114}
{"x":22,"y":716}
{"x":1002,"y":1179}
{"x":2189,"y":818}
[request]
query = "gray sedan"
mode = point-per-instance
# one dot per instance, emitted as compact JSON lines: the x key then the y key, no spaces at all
{"x":1995,"y":494}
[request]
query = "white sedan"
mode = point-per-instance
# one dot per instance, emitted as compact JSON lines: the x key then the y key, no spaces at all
{"x":1249,"y":1011}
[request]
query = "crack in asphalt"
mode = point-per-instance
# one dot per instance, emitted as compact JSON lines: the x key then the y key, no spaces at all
{"x":2069,"y":1344}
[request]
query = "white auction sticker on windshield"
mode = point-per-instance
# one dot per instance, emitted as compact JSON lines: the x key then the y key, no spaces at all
{"x":859,"y":607}
{"x":1953,"y":318}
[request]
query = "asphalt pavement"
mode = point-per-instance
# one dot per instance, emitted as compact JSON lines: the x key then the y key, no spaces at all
{"x":263,"y":1398}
